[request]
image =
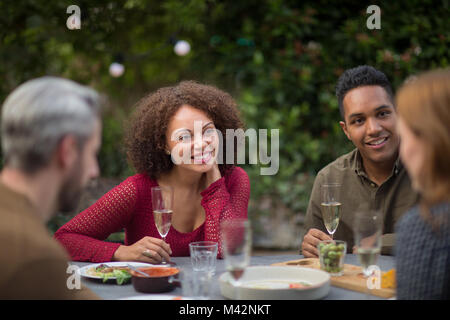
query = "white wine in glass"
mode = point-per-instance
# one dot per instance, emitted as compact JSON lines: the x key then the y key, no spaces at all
{"x":163,"y":221}
{"x":236,"y":244}
{"x":367,"y":257}
{"x":162,"y":201}
{"x":331,"y":206}
{"x":331,"y":213}
{"x":367,"y":228}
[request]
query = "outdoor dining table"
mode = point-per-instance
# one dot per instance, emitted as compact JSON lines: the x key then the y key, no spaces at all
{"x":113,"y":291}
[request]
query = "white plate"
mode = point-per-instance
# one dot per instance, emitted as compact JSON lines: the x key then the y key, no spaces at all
{"x":156,"y":297}
{"x":273,"y":283}
{"x":83,"y":271}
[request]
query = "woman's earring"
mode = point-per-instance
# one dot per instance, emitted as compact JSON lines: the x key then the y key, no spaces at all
{"x":168,"y":152}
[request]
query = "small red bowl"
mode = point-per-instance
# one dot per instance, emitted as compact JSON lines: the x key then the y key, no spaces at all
{"x":161,"y":279}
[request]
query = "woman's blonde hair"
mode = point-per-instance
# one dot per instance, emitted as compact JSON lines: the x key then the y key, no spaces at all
{"x":424,"y":106}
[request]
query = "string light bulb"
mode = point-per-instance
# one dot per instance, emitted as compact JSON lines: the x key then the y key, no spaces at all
{"x":116,"y":69}
{"x":182,"y":47}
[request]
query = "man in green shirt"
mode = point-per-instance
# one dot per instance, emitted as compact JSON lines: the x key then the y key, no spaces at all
{"x":372,"y":174}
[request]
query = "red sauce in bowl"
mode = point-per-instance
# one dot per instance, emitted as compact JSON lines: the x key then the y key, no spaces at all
{"x":156,"y":272}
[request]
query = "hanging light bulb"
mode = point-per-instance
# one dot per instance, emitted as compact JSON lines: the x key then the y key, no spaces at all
{"x":116,"y":69}
{"x":182,"y":47}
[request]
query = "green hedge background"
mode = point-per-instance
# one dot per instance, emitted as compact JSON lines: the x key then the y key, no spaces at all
{"x":279,"y":59}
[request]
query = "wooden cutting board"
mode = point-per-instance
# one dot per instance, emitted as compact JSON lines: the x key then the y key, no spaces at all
{"x":352,"y":279}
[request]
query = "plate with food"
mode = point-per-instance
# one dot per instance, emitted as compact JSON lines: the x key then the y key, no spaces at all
{"x":118,"y":271}
{"x":277,"y":283}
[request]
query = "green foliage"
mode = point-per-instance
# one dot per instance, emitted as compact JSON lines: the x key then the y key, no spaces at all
{"x":285,"y":58}
{"x":280,"y":59}
{"x":112,"y":157}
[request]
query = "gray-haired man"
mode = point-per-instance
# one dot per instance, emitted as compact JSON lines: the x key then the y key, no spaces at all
{"x":50,"y":134}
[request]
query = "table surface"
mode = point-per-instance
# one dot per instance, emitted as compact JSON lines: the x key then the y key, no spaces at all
{"x":113,"y":291}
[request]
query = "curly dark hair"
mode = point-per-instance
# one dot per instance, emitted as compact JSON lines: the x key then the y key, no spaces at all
{"x":146,"y":133}
{"x":358,"y":77}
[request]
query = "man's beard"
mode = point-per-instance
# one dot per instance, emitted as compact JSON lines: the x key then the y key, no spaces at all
{"x":71,"y":189}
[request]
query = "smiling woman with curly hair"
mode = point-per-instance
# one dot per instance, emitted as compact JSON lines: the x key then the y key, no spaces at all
{"x":174,"y":139}
{"x":147,"y":140}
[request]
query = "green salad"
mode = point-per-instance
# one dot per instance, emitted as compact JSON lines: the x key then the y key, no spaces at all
{"x":121,"y":274}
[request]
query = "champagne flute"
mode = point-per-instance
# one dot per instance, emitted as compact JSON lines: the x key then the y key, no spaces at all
{"x":162,"y":201}
{"x":331,"y":206}
{"x":236,"y":242}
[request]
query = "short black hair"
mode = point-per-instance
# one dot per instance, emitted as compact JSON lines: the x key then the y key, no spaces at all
{"x":358,"y":77}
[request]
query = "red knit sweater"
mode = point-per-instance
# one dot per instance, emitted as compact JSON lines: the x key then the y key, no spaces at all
{"x":128,"y":206}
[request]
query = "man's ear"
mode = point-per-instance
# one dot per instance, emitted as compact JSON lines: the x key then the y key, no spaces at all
{"x":67,"y":152}
{"x":344,"y":128}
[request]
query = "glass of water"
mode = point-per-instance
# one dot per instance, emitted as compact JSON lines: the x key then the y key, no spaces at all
{"x":203,"y":256}
{"x":196,"y":284}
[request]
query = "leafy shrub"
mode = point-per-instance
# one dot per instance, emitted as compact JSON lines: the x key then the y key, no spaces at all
{"x":280,"y":59}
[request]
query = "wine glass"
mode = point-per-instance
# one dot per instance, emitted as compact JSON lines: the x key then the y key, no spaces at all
{"x":162,"y":201}
{"x":331,"y":206}
{"x":368,"y":227}
{"x":236,"y":242}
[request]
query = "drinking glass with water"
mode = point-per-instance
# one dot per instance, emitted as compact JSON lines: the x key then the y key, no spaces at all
{"x":203,"y":256}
